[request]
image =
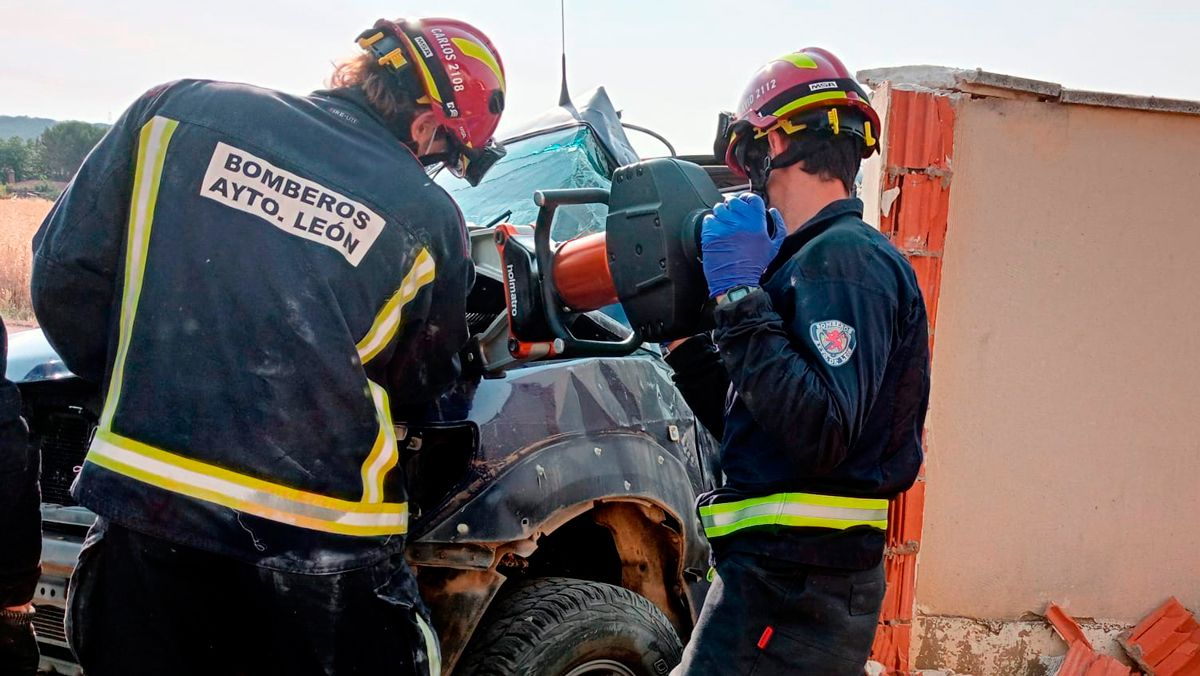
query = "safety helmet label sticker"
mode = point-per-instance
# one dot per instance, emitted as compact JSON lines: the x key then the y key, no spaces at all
{"x":292,"y":203}
{"x":834,"y":340}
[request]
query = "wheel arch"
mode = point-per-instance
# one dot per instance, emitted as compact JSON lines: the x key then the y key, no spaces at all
{"x":619,"y":501}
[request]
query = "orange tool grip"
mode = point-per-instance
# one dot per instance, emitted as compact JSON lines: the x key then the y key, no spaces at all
{"x":581,"y":273}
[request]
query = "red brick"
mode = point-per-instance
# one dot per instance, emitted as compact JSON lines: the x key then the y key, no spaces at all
{"x":929,"y":277}
{"x":902,"y":638}
{"x":1104,"y":665}
{"x":1166,"y":642}
{"x":890,"y":609}
{"x":918,"y":144}
{"x":1067,"y":628}
{"x":1183,"y":662}
{"x":1078,"y":658}
{"x":1081,"y":660}
{"x":898,"y":600}
{"x":922,"y":210}
{"x":887,"y":220}
{"x":914,"y":510}
{"x":892,"y":643}
{"x":883,"y":650}
{"x":920,"y":130}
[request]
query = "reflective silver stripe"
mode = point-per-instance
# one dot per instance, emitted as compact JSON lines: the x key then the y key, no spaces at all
{"x":153,"y":140}
{"x":433,"y":650}
{"x":387,"y":323}
{"x":239,"y":493}
{"x":386,"y":452}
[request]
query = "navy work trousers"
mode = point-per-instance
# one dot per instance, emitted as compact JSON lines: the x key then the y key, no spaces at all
{"x":139,"y":605}
{"x":765,"y":617}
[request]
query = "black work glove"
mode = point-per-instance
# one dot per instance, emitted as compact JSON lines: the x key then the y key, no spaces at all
{"x":18,"y":644}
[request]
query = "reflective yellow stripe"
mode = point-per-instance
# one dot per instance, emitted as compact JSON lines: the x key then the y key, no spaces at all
{"x":799,"y":60}
{"x":190,"y":477}
{"x":152,"y":150}
{"x":800,"y":498}
{"x":478,"y":51}
{"x":796,"y":510}
{"x":385,"y":454}
{"x":432,"y":648}
{"x":808,"y":100}
{"x":430,"y":83}
{"x":387,"y":322}
{"x":244,"y":493}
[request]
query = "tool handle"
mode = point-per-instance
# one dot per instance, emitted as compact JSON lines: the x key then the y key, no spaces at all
{"x":548,"y":202}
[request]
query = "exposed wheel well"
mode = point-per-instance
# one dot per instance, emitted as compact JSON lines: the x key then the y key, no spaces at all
{"x":633,"y":545}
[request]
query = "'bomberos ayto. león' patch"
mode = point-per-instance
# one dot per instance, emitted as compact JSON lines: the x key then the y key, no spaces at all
{"x":290,"y":202}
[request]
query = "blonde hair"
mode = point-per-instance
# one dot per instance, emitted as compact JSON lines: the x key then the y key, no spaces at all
{"x":381,"y":89}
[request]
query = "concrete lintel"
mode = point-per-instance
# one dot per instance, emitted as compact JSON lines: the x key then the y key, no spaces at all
{"x":1041,"y":88}
{"x":958,"y":79}
{"x":933,"y":77}
{"x":980,"y":82}
{"x":1086,"y":98}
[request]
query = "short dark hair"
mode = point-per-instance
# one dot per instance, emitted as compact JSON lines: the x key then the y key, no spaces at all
{"x":830,"y":156}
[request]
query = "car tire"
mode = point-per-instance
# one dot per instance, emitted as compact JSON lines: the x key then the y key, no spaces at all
{"x":558,"y":626}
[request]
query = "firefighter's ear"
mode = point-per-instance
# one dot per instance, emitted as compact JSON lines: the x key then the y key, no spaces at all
{"x":424,"y":128}
{"x":777,"y":142}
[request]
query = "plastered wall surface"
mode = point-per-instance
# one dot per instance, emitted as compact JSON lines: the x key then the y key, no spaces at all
{"x":1065,"y":413}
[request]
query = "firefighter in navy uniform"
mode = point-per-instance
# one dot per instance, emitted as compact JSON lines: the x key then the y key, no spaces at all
{"x":20,"y":530}
{"x":260,"y":281}
{"x":821,"y":335}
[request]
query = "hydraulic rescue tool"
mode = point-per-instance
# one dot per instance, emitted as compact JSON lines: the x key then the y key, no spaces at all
{"x":647,"y":260}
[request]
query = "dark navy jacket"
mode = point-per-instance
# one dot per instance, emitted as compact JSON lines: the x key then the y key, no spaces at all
{"x":251,"y":274}
{"x":20,"y":512}
{"x":829,"y":367}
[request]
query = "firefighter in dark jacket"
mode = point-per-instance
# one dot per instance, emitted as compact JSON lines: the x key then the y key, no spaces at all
{"x":261,"y":282}
{"x":821,"y":336}
{"x":20,"y":530}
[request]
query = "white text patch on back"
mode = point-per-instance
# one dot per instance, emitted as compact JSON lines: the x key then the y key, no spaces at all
{"x":292,"y":203}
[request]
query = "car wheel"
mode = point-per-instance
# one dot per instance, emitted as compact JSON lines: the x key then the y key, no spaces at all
{"x":558,"y":626}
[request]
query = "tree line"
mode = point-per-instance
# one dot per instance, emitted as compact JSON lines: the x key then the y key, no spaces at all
{"x":55,"y":155}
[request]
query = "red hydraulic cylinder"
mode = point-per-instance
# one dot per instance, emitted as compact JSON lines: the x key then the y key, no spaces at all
{"x":581,"y":273}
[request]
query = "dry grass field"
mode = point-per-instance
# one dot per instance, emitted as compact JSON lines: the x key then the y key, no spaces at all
{"x":19,"y":219}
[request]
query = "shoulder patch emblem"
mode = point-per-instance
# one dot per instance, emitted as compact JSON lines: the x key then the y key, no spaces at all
{"x":834,"y":340}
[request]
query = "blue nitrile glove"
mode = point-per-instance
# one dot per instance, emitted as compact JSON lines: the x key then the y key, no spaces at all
{"x":735,"y":244}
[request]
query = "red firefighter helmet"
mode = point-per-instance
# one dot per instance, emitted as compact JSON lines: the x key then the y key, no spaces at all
{"x":455,"y":68}
{"x":804,"y":90}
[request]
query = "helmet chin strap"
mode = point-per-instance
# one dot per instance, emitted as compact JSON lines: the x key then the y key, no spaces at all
{"x":432,"y":139}
{"x":760,"y":171}
{"x":427,"y":158}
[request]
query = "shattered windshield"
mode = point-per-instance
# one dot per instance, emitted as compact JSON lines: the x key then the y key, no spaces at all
{"x":565,"y":158}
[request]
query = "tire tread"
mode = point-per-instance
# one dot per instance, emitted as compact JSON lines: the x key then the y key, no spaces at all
{"x":514,"y":626}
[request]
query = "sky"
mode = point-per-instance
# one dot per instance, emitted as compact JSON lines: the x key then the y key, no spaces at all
{"x":670,"y":65}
